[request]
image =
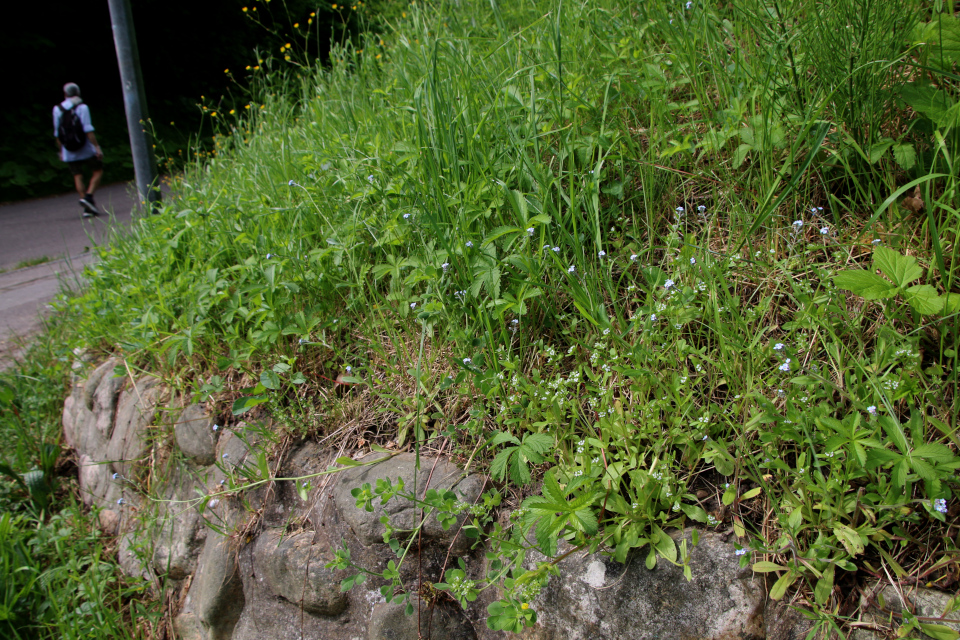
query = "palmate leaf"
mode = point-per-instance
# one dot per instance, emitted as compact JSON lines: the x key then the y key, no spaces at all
{"x":901,"y":269}
{"x":924,"y":299}
{"x":515,"y":459}
{"x":865,"y":284}
{"x":553,"y":512}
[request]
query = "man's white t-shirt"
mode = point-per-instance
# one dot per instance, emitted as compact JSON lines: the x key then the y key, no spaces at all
{"x":83,"y":112}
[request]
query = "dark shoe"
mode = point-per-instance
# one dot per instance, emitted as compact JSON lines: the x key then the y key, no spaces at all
{"x":89,"y":207}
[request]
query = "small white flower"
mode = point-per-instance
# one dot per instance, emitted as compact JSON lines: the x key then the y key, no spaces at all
{"x":469,"y":244}
{"x":778,"y":346}
{"x":689,"y":5}
{"x":679,"y":209}
{"x":225,"y":456}
{"x":370,"y":178}
{"x":467,"y":361}
{"x":872,"y":410}
{"x":291,"y":183}
{"x":601,"y":253}
{"x":413,"y":305}
{"x":940,"y":504}
{"x":741,"y":552}
{"x":701,"y":208}
{"x":786,"y":365}
{"x":445,"y":266}
{"x":571,"y":269}
{"x":406,"y":216}
{"x":269,"y":255}
{"x":877,"y":241}
{"x":349,"y":368}
{"x":797,"y":225}
{"x":216,"y":427}
{"x":213,"y":503}
{"x":115,"y":476}
{"x":633,"y":257}
{"x":530,"y":231}
{"x":121,"y":502}
{"x":668,"y":284}
{"x":824,"y":230}
{"x":556,"y":249}
{"x":693,"y":261}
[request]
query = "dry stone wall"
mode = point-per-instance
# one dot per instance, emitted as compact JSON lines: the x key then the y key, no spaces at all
{"x":253,"y":565}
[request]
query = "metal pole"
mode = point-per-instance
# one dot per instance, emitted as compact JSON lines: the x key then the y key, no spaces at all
{"x":134,"y":101}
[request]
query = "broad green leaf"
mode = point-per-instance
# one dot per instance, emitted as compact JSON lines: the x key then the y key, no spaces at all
{"x":905,"y":155}
{"x":824,"y":587}
{"x":865,"y":284}
{"x":498,"y":468}
{"x":895,"y":432}
{"x":901,"y":269}
{"x":270,"y":380}
{"x":929,"y":101}
{"x":753,"y":493}
{"x":665,"y":545}
{"x":242,"y":405}
{"x":849,"y":538}
{"x":780,"y":586}
{"x":939,"y":631}
{"x":924,"y":299}
{"x":934,"y":451}
{"x":347,"y":461}
{"x":878,"y":149}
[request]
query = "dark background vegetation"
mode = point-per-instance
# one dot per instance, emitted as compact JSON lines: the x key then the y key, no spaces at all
{"x":185,"y":48}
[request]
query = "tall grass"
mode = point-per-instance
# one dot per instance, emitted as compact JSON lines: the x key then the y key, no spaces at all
{"x":613,"y":224}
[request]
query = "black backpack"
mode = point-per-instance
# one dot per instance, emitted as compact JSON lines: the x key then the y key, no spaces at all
{"x":70,"y":132}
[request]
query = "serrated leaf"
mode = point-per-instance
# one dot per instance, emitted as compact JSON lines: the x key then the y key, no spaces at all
{"x":901,"y":269}
{"x":741,"y":154}
{"x":924,"y":299}
{"x":905,"y":155}
{"x":539,"y":442}
{"x":878,"y":149}
{"x":865,"y":284}
{"x":934,"y":451}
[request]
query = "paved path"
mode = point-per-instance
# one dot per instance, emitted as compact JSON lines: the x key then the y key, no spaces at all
{"x":50,"y":228}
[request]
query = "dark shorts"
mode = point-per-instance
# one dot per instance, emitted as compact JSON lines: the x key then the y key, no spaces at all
{"x":95,"y":164}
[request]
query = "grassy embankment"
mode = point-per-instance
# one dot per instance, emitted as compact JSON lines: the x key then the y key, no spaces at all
{"x":676,"y":264}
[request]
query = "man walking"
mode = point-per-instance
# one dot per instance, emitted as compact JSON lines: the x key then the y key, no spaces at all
{"x":78,"y":145}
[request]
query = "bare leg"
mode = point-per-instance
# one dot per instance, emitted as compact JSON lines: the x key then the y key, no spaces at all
{"x":95,"y":181}
{"x":78,"y":183}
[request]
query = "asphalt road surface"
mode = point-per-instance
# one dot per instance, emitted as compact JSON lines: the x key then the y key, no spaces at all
{"x":52,"y":229}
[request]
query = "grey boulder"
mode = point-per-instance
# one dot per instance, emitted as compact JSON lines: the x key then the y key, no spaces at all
{"x":596,"y":598}
{"x":293,"y":568}
{"x":403,"y":513}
